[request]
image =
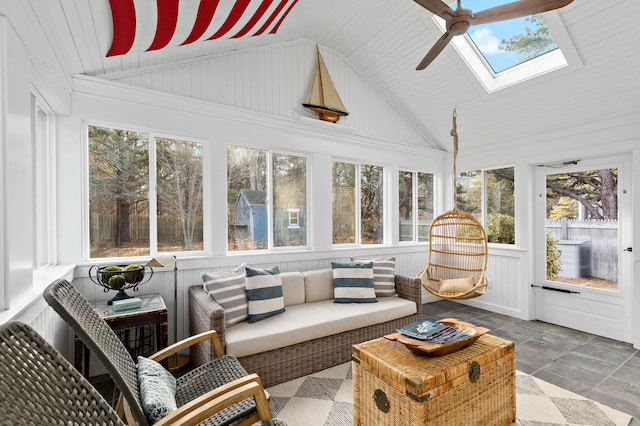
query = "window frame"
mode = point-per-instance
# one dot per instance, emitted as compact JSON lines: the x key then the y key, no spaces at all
{"x":415,"y":206}
{"x":151,"y":195}
{"x":484,"y":201}
{"x":43,"y":142}
{"x":269,"y":184}
{"x":358,"y":205}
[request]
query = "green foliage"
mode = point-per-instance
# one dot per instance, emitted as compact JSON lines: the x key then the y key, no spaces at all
{"x":595,"y":190}
{"x":554,"y":261}
{"x":566,"y":207}
{"x":534,"y":42}
{"x":501,"y":228}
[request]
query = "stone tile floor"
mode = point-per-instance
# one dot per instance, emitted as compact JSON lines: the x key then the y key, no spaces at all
{"x":602,"y":369}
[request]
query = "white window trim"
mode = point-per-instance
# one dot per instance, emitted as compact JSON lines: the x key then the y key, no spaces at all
{"x":153,"y":249}
{"x":269,"y":200}
{"x":3,"y":142}
{"x":483,"y":201}
{"x":43,"y":152}
{"x":358,"y":205}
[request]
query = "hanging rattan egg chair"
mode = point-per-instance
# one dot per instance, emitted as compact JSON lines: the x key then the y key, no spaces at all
{"x":457,"y":250}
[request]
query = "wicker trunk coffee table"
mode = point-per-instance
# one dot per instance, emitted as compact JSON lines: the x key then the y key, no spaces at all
{"x":475,"y":385}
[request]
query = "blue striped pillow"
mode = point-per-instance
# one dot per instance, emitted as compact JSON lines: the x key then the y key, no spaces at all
{"x":353,"y":283}
{"x":264,"y":291}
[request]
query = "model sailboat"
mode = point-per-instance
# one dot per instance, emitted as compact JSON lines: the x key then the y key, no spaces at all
{"x":323,"y":98}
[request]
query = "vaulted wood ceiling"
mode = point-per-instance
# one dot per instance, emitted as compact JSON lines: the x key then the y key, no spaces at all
{"x":383,"y":41}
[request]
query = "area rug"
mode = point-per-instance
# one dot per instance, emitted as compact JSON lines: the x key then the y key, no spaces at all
{"x":325,"y":399}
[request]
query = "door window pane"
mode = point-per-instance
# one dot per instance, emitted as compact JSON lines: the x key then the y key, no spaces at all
{"x":582,"y":228}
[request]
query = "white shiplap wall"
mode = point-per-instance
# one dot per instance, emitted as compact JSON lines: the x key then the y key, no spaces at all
{"x":275,"y":80}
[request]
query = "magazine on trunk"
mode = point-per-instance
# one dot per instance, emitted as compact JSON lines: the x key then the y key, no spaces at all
{"x":433,"y":332}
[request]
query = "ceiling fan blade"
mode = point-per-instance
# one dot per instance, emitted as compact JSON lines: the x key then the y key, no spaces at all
{"x":435,"y":50}
{"x":438,"y":8}
{"x":516,"y":9}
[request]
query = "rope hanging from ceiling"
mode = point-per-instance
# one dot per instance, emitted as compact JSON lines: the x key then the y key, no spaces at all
{"x":458,"y":250}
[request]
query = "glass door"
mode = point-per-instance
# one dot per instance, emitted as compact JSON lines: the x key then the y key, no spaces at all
{"x":580,"y":264}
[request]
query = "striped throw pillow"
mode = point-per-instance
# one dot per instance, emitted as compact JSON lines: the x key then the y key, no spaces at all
{"x":384,"y":274}
{"x":353,"y":282}
{"x":227,"y":287}
{"x":264,"y":290}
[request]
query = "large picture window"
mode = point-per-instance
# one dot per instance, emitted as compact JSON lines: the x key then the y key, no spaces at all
{"x":256,"y":220}
{"x":489,"y":195}
{"x":358,"y":203}
{"x":415,"y":205}
{"x":145,"y":194}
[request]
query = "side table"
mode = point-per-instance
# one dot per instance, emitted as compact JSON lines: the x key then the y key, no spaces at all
{"x":152,"y":312}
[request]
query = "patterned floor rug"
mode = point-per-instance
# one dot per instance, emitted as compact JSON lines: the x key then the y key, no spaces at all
{"x":325,"y":399}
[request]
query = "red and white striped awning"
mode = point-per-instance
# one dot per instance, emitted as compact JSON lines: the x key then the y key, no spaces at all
{"x":146,"y":25}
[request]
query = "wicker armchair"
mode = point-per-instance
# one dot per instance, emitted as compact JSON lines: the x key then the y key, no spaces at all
{"x":220,"y":392}
{"x":40,"y":387}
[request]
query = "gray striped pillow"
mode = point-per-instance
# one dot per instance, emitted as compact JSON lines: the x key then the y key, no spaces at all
{"x":383,"y":274}
{"x":264,"y":290}
{"x":228,"y":289}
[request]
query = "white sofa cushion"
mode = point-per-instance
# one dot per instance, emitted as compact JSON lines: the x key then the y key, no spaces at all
{"x":309,"y":321}
{"x":318,"y":285}
{"x":292,"y":287}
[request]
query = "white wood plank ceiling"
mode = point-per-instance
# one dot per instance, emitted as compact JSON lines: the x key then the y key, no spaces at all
{"x":383,"y":41}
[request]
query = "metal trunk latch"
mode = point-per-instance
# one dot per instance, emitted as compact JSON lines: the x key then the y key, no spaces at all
{"x":474,"y":372}
{"x":381,"y":400}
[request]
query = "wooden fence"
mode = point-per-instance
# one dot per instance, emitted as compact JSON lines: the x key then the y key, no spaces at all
{"x":103,"y":228}
{"x":603,"y":235}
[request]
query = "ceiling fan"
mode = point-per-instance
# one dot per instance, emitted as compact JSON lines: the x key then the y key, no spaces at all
{"x":458,"y":21}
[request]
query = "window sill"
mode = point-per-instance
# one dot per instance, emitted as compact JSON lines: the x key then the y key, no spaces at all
{"x":32,"y":304}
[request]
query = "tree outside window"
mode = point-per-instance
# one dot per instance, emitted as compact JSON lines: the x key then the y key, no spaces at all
{"x":489,"y":195}
{"x":122,"y":222}
{"x":357,"y":188}
{"x":250,"y":209}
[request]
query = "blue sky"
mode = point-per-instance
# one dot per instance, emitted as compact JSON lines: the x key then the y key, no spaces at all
{"x":488,"y":37}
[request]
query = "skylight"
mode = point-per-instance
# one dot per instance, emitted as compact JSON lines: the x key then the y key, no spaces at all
{"x":490,"y":52}
{"x":494,"y":40}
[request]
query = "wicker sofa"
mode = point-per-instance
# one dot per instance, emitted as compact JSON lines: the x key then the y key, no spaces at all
{"x":312,"y":334}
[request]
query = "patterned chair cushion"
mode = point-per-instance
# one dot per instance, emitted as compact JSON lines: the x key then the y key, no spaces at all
{"x":264,"y":291}
{"x":157,"y":389}
{"x":353,"y":282}
{"x":228,"y":289}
